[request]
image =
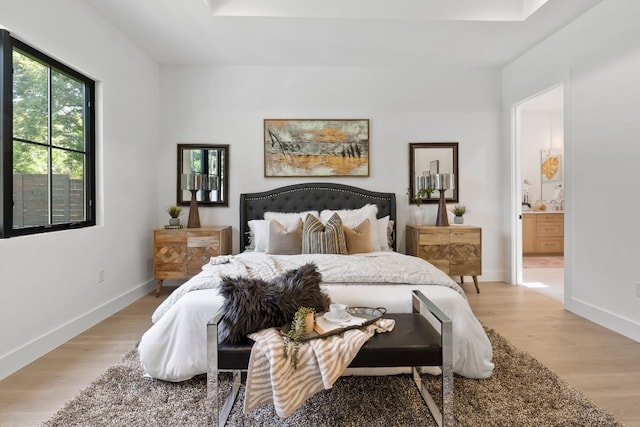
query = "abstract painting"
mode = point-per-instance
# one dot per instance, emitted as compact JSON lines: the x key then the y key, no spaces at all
{"x":318,"y":147}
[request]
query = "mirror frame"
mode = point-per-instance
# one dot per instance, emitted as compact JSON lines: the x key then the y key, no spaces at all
{"x":223,"y":176}
{"x":413,"y":146}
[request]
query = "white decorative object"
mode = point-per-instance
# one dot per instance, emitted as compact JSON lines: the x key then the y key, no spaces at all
{"x":417,"y":216}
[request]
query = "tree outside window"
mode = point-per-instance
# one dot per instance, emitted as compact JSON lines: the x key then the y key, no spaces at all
{"x":52,"y":143}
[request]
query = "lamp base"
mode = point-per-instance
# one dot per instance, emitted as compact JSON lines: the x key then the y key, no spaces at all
{"x":194,"y":215}
{"x":442,"y":219}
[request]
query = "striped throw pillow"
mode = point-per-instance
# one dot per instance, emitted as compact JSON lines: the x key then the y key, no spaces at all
{"x":319,"y":238}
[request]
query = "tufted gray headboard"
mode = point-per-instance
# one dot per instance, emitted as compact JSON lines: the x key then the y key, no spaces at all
{"x":311,"y":196}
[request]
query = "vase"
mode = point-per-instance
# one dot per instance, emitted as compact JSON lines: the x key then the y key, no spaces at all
{"x":417,"y":215}
{"x":458,"y":219}
{"x":309,"y":321}
{"x":174,"y":221}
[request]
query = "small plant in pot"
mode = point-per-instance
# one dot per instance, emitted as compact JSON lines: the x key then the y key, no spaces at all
{"x":420,"y":195}
{"x":302,"y":324}
{"x":174,"y":212}
{"x":458,"y":211}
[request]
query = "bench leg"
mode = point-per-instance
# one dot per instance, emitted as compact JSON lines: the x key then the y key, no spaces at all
{"x":444,"y":418}
{"x":212,"y":407}
{"x":217,"y":414}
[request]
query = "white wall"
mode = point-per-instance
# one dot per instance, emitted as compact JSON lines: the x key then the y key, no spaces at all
{"x":597,"y":57}
{"x":227,"y":105}
{"x":49,"y":282}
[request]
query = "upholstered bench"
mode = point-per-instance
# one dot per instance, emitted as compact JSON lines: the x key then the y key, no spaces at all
{"x":414,"y":342}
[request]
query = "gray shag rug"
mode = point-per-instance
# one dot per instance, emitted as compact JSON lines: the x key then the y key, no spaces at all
{"x":521,"y":392}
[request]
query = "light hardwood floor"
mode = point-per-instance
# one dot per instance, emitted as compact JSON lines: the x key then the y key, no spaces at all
{"x":605,"y":366}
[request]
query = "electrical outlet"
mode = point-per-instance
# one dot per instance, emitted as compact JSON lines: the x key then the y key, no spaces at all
{"x":638,"y":288}
{"x":101,"y":276}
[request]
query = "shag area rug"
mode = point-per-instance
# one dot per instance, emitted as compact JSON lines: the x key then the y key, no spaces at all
{"x":521,"y":392}
{"x":543,"y":262}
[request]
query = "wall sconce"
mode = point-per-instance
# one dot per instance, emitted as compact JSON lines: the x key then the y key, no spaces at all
{"x":195,"y":182}
{"x":442,"y":182}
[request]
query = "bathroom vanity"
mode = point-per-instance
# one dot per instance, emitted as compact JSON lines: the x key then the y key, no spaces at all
{"x":543,"y":233}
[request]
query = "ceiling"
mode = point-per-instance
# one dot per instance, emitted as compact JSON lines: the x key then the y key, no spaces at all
{"x":469,"y":33}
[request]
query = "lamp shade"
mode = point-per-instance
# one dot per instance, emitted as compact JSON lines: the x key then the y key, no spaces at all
{"x":424,"y":182}
{"x":443,"y":181}
{"x":191,"y":181}
{"x":209,"y":182}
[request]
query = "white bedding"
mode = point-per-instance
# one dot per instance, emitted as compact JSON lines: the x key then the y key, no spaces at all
{"x":174,"y":348}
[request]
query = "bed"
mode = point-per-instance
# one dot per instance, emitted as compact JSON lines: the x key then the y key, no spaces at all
{"x":174,"y":348}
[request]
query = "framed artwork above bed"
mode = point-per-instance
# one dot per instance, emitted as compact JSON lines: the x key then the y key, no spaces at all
{"x":316,"y":147}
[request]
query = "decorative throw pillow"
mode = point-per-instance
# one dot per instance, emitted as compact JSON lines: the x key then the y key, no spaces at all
{"x":254,"y":304}
{"x":285,"y":241}
{"x":353,"y":217}
{"x":318,"y":238}
{"x":358,"y":238}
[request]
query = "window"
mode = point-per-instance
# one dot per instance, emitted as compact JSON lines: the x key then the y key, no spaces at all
{"x":47,"y":134}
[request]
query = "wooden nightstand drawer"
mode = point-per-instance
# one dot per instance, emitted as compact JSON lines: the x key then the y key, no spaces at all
{"x":466,"y":268}
{"x":465,"y":236}
{"x":433,"y":237}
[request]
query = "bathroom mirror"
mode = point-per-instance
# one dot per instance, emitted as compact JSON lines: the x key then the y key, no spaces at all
{"x":206,"y":159}
{"x":428,"y":158}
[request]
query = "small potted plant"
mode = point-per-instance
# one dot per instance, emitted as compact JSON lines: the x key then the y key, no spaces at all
{"x":302,"y":324}
{"x":174,"y":212}
{"x":458,"y":211}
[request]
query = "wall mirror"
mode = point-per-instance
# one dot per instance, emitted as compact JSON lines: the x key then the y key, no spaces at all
{"x":428,"y":158}
{"x":212,"y":160}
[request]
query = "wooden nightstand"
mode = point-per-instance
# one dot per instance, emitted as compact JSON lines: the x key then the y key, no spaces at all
{"x":456,"y":250}
{"x":181,"y":253}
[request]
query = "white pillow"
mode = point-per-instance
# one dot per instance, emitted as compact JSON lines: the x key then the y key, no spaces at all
{"x":260,"y":232}
{"x":287,"y":219}
{"x":383,"y":235}
{"x":353,"y":217}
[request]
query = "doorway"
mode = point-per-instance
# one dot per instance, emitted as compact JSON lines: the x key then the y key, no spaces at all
{"x":540,"y":144}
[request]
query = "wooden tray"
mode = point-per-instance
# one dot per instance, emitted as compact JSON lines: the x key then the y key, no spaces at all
{"x":371,"y":314}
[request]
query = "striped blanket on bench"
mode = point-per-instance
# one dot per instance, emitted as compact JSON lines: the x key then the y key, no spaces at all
{"x":272,"y":377}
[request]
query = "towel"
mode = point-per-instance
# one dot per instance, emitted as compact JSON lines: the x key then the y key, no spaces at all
{"x":272,"y":378}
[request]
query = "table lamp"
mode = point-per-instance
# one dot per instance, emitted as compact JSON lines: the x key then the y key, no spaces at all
{"x":442,"y":182}
{"x":195,"y":182}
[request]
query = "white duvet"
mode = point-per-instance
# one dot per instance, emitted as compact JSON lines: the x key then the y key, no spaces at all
{"x":174,"y":348}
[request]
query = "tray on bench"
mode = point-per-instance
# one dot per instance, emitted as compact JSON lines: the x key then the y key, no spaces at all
{"x":370,"y":314}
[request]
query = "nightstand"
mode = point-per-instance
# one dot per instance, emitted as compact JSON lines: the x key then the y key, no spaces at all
{"x":181,"y":253}
{"x":454,"y":249}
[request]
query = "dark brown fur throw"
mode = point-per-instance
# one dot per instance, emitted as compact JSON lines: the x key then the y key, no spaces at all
{"x":254,"y":304}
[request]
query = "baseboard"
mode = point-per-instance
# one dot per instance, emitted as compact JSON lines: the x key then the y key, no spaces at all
{"x":621,"y":325}
{"x":21,"y":357}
